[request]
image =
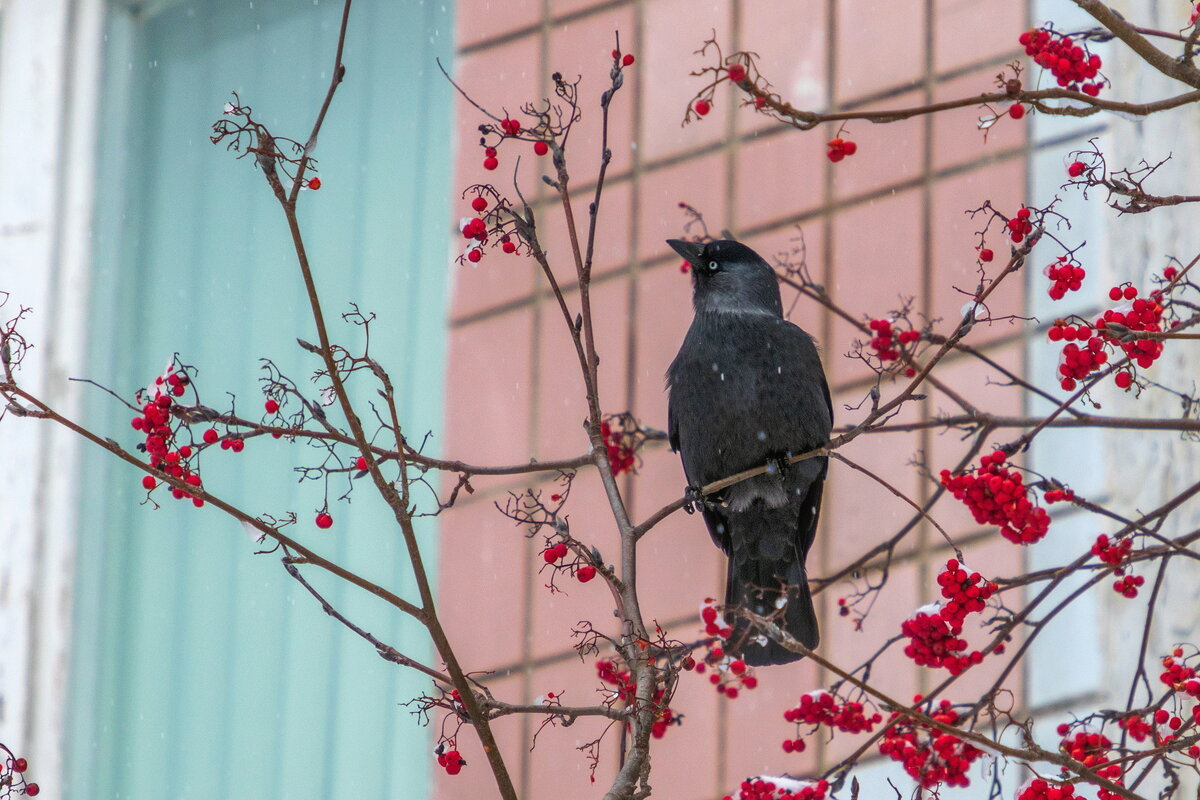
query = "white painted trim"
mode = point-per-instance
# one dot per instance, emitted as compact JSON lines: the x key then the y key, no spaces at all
{"x":50,"y":68}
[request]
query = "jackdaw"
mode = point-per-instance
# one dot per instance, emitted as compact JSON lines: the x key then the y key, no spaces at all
{"x":747,"y":390}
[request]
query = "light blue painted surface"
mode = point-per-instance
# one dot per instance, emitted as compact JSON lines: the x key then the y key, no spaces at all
{"x":200,"y":669}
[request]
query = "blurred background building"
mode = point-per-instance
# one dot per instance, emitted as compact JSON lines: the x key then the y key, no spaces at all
{"x":148,"y":653}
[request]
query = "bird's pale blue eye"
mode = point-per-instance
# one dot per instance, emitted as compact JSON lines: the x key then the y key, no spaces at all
{"x":712,"y":265}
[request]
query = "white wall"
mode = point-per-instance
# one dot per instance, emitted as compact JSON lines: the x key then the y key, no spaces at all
{"x":49,"y":77}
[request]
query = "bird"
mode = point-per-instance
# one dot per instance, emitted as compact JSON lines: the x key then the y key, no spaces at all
{"x":747,"y":390}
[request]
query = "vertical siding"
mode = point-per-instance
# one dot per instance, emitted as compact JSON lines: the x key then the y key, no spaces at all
{"x":201,"y":670}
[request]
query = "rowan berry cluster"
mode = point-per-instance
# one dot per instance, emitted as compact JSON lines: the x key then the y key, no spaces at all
{"x":1135,"y":314}
{"x":965,"y":592}
{"x":934,"y":642}
{"x":553,"y":555}
{"x":1112,"y":553}
{"x":838,"y":148}
{"x":620,"y":445}
{"x":625,"y":691}
{"x":1088,"y":345}
{"x":714,"y":621}
{"x":1043,"y":790}
{"x":1171,"y":721}
{"x":626,"y":60}
{"x":935,"y":631}
{"x":12,"y":774}
{"x":658,"y":728}
{"x":1021,"y":225}
{"x":1178,"y":675}
{"x":1138,"y":729}
{"x":1072,"y":65}
{"x":1128,"y":586}
{"x":509,"y":128}
{"x":1058,"y":496}
{"x":624,"y":688}
{"x":821,"y":708}
{"x":1064,"y":276}
{"x":450,"y":760}
{"x":887,"y":341}
{"x":1092,"y":750}
{"x":475,"y":231}
{"x":997,"y":495}
{"x":1077,"y":361}
{"x":779,"y":788}
{"x":930,"y":755}
{"x":157,"y":424}
{"x":727,"y":674}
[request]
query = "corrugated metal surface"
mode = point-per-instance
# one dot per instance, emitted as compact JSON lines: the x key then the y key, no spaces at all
{"x":202,"y":670}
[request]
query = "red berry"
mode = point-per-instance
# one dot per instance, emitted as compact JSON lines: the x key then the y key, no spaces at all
{"x":702,"y":107}
{"x":324,"y":521}
{"x":474,"y":255}
{"x":986,"y":255}
{"x":1076,"y":169}
{"x":360,"y":464}
{"x":314,"y":183}
{"x":490,"y":163}
{"x":1130,"y":292}
{"x":541,"y":148}
{"x":1123,"y":379}
{"x":508,"y":247}
{"x":737,"y":73}
{"x":585,"y":573}
{"x":148,"y":483}
{"x":1114,"y":293}
{"x":271,"y":406}
{"x":479,"y":204}
{"x":32,"y":789}
{"x":20,"y":765}
{"x":850,"y":148}
{"x":1016,"y":111}
{"x":627,"y":61}
{"x":236,"y":445}
{"x":211,"y":436}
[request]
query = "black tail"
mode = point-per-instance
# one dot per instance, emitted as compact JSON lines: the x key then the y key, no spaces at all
{"x":766,"y":566}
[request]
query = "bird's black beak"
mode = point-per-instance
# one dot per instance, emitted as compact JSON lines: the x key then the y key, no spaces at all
{"x":691,"y":251}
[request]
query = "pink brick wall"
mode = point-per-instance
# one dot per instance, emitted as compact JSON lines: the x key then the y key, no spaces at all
{"x":884,"y":223}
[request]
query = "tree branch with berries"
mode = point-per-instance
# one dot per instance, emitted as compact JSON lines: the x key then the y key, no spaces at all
{"x":939,"y":736}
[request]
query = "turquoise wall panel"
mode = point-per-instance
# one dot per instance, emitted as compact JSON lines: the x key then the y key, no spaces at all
{"x":202,"y":670}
